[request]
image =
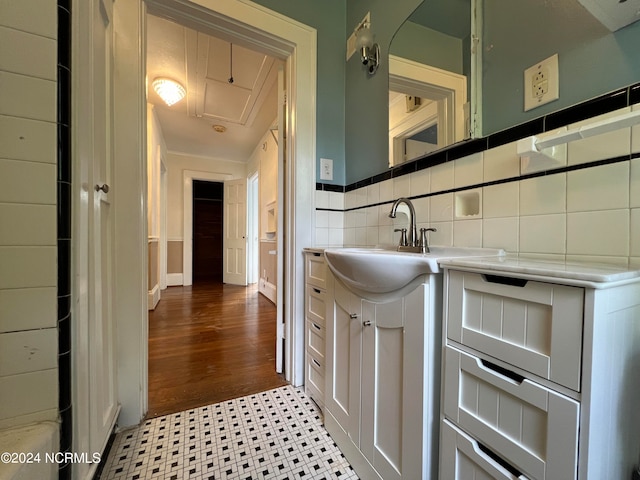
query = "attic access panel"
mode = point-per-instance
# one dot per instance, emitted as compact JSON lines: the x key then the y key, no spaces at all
{"x":210,"y":63}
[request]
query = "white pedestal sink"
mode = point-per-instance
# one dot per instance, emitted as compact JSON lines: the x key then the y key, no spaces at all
{"x":383,"y":273}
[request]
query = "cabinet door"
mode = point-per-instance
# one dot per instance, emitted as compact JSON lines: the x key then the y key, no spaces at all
{"x":395,"y":435}
{"x":463,"y":458}
{"x":530,"y":426}
{"x":342,"y":393}
{"x":535,"y":326}
{"x":316,"y":270}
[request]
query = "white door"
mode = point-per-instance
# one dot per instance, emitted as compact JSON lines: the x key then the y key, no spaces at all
{"x":253,"y":228}
{"x":235,"y":232}
{"x":101,"y":326}
{"x":95,"y":407}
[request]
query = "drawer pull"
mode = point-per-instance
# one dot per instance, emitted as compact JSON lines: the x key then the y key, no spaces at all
{"x":503,"y":371}
{"x":514,"y":282}
{"x":353,"y":315}
{"x":316,"y":254}
{"x":511,"y":469}
{"x":316,"y":290}
{"x":316,"y":362}
{"x":316,"y":326}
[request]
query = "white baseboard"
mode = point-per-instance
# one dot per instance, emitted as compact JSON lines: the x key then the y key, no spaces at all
{"x":153,"y":297}
{"x":267,"y":289}
{"x":174,"y":279}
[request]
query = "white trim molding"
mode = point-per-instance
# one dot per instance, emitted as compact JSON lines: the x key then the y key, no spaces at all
{"x":174,"y":280}
{"x":153,"y":297}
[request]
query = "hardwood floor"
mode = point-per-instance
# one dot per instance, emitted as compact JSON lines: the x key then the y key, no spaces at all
{"x":209,"y":343}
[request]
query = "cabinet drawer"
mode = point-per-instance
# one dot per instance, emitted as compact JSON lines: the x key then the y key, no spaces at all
{"x":462,"y":458}
{"x":314,"y":379}
{"x":315,"y":340}
{"x":316,"y":270}
{"x":535,"y":326}
{"x":533,"y":428}
{"x":316,"y":304}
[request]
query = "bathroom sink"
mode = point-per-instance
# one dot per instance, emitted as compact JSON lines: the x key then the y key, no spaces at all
{"x":381,"y":271}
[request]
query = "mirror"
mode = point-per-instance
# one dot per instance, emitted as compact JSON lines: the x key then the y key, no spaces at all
{"x":430,"y":81}
{"x":596,"y":49}
{"x":595,"y":56}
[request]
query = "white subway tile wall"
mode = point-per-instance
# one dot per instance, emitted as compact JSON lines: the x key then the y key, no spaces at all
{"x":635,"y":233}
{"x":28,"y":255}
{"x":590,"y":214}
{"x":501,"y":162}
{"x":468,"y":170}
{"x":599,"y":147}
{"x":634,"y":189}
{"x":500,"y":200}
{"x":598,"y":188}
{"x":542,"y":195}
{"x":543,"y":233}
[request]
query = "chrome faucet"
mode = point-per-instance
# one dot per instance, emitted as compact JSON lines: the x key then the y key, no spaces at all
{"x":412,"y":243}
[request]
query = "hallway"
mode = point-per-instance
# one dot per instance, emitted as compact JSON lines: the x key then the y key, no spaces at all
{"x":209,"y":343}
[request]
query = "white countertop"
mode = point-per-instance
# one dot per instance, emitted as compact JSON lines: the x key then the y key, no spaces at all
{"x":582,"y":274}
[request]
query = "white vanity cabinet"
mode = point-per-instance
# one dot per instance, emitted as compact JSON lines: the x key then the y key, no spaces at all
{"x":317,"y":281}
{"x":541,"y":374}
{"x":383,"y":379}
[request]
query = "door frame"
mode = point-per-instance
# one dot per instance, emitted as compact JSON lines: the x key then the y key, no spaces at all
{"x":276,"y":34}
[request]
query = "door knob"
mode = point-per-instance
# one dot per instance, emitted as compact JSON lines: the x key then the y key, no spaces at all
{"x":104,"y":188}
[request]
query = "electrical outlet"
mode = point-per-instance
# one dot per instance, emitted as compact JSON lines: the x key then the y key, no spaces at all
{"x":541,"y":83}
{"x":326,"y":169}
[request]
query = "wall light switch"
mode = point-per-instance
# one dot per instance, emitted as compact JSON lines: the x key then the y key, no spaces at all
{"x":541,"y":83}
{"x":326,"y":169}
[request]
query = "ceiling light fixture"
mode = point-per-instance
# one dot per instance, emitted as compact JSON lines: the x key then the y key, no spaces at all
{"x":219,"y":128}
{"x":169,"y":90}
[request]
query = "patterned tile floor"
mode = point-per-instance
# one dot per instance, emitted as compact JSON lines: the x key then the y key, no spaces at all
{"x":277,"y":434}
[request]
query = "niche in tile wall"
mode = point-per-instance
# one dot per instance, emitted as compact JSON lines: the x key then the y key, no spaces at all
{"x":468,"y":204}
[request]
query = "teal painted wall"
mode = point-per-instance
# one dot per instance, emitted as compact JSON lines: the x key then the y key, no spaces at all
{"x":591,"y":60}
{"x":352,"y":106}
{"x":427,"y":46}
{"x":367,"y":97}
{"x":328,"y":18}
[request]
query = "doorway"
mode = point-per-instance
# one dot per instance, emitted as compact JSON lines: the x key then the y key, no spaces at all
{"x":295,"y":42}
{"x":207,"y":231}
{"x":206,"y":329}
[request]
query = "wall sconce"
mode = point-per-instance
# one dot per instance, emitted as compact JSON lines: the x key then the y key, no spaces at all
{"x":369,"y":51}
{"x":169,"y":90}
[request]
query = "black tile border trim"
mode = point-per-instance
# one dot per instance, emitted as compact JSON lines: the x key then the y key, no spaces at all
{"x":63,"y":208}
{"x":609,"y":102}
{"x":526,"y":176}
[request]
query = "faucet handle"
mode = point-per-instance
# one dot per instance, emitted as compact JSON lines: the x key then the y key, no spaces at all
{"x":403,"y":236}
{"x":423,"y":238}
